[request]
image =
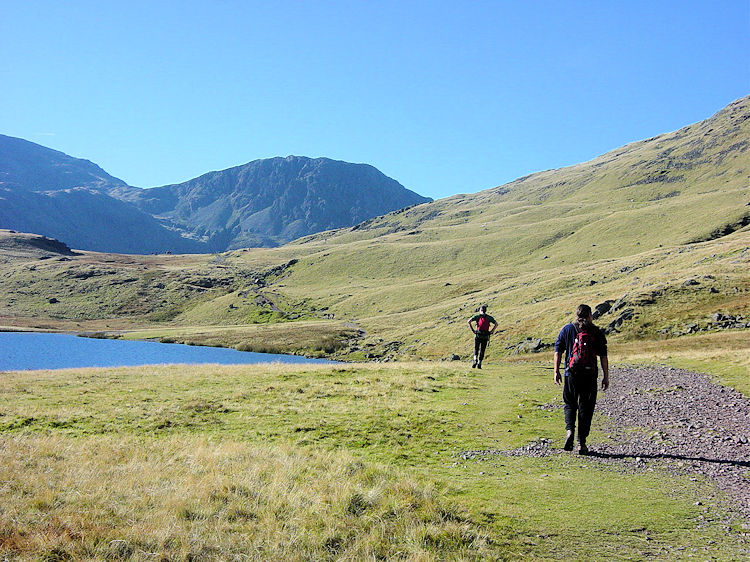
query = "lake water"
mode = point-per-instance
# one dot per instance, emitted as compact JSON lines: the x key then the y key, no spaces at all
{"x":33,"y":350}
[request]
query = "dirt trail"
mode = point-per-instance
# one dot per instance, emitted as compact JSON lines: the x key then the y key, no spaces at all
{"x":659,"y":416}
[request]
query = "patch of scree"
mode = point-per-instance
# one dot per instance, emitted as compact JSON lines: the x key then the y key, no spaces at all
{"x":659,"y":416}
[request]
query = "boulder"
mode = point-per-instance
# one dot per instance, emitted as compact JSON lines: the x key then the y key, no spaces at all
{"x":624,"y":316}
{"x":622,"y":302}
{"x":602,"y":308}
{"x":530,"y":345}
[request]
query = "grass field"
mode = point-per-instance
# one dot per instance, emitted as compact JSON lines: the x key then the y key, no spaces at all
{"x":346,"y":462}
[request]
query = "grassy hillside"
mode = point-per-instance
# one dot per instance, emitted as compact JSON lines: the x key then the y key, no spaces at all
{"x":646,"y":193}
{"x":658,"y":227}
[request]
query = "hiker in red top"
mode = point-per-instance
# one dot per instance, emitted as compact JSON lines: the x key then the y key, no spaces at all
{"x":485,"y":326}
{"x":582,"y":342}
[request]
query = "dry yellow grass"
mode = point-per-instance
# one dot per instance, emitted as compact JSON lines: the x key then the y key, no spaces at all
{"x":302,"y":337}
{"x":190,"y":498}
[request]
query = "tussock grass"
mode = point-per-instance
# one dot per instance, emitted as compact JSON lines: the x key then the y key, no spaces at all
{"x":190,"y":498}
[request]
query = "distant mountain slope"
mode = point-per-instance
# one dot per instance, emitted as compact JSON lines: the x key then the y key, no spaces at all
{"x":47,"y":192}
{"x":30,"y":166}
{"x":272,"y":201}
{"x":89,"y":220}
{"x":263,"y":203}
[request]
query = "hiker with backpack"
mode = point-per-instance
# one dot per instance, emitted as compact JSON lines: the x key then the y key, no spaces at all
{"x":486,"y":325}
{"x":582,"y":342}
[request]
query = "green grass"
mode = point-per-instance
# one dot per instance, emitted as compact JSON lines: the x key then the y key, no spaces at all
{"x":351,"y":461}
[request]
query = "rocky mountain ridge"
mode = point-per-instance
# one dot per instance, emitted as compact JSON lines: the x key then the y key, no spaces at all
{"x":272,"y":201}
{"x":263,"y":203}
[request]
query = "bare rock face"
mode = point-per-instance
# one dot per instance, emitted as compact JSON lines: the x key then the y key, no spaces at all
{"x":273,"y":201}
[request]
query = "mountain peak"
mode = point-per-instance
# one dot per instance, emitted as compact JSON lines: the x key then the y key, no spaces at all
{"x":272,"y":201}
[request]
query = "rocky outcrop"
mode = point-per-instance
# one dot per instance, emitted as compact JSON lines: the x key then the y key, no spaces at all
{"x":273,"y":201}
{"x":624,"y":316}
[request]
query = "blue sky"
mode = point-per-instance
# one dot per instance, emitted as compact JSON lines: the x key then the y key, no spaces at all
{"x":445,"y":97}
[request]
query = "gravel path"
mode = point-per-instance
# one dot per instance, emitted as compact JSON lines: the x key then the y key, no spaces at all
{"x":675,"y":419}
{"x":684,"y":421}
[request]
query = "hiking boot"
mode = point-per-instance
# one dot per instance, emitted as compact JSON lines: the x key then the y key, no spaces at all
{"x":583,"y":449}
{"x":479,"y":365}
{"x":569,"y":442}
{"x":474,"y":364}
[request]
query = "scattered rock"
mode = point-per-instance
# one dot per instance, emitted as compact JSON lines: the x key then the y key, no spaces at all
{"x":602,"y":308}
{"x":624,"y":316}
{"x":699,"y":425}
{"x":53,"y":300}
{"x":88,"y":272}
{"x":717,"y":321}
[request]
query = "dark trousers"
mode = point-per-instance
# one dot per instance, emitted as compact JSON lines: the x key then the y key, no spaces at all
{"x":579,"y":395}
{"x":480,"y":345}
